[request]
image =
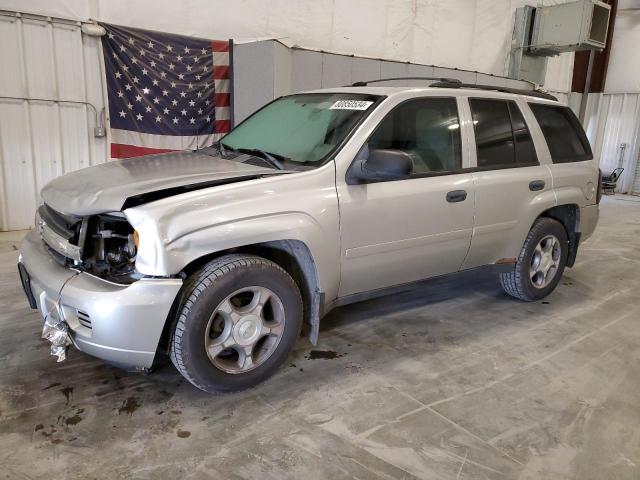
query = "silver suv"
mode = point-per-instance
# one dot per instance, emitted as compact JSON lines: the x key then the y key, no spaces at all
{"x":221,"y":256}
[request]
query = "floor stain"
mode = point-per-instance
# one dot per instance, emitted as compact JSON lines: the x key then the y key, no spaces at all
{"x":129,"y":406}
{"x":184,"y":433}
{"x":76,"y":419}
{"x":57,"y":384}
{"x":38,"y":427}
{"x":68,"y":393}
{"x":323,"y":355}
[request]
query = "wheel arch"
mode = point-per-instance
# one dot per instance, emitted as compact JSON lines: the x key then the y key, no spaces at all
{"x":569,"y":216}
{"x":294,"y":256}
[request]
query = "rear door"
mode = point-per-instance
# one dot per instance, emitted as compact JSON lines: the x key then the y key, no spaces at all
{"x":510,"y":182}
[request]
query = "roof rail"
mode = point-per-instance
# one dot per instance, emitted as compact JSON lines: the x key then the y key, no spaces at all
{"x":439,"y":79}
{"x":517,"y":91}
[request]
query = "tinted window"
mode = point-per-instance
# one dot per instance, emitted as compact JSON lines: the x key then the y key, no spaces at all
{"x":427,"y":129}
{"x":494,"y":137}
{"x":562,"y":131}
{"x":525,"y":151}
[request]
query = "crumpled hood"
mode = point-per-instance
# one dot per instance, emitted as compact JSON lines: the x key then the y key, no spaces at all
{"x":105,"y":187}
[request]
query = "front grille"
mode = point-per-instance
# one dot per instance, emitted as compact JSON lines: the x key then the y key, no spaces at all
{"x":84,"y":318}
{"x":63,"y":225}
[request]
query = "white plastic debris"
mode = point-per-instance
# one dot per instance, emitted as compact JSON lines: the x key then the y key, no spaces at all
{"x":57,"y":332}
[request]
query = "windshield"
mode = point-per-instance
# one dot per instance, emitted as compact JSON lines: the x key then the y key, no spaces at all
{"x":303,"y":128}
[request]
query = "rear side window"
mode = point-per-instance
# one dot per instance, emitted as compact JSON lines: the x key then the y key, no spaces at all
{"x":562,"y":131}
{"x":502,"y":137}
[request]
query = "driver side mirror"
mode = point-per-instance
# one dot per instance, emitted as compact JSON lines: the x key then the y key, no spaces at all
{"x":379,"y":165}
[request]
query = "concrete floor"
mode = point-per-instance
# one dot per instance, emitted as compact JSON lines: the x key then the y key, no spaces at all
{"x":452,"y":379}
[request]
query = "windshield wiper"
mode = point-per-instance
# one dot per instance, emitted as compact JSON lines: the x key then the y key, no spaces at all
{"x":270,"y":158}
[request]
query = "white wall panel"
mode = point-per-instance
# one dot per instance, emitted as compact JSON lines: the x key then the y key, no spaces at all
{"x":17,"y":165}
{"x":51,"y":73}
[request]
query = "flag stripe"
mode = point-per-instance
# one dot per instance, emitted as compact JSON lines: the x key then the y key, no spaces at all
{"x":119,"y":150}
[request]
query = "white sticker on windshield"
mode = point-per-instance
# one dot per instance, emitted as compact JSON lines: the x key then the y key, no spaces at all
{"x":350,"y":105}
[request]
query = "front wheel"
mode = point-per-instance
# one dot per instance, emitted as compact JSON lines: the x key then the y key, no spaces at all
{"x":541,"y":262}
{"x":238,"y":321}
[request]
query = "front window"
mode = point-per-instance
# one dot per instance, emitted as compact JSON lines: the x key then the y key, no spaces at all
{"x":300,"y":129}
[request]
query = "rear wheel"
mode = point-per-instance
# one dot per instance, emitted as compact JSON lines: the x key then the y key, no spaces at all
{"x":541,"y":262}
{"x":239,"y":319}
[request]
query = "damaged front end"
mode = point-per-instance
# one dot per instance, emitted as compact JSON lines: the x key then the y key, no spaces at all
{"x":104,"y":246}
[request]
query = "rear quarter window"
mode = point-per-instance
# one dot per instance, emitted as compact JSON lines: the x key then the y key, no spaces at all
{"x":563,"y":133}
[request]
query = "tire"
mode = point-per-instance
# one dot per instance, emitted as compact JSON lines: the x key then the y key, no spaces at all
{"x":522,"y":283}
{"x":212,"y":309}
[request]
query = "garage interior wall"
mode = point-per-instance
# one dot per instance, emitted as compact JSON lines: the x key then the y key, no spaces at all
{"x":50,"y":100}
{"x":613,"y":117}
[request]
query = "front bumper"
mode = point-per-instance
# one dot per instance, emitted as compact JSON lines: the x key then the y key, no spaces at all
{"x":121,"y":324}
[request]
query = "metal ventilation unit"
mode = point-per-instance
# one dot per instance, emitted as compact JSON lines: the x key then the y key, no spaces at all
{"x":541,"y":32}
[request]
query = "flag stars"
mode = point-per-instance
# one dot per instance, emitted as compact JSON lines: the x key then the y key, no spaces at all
{"x":173,"y":84}
{"x":161,"y":56}
{"x":136,"y":79}
{"x":127,"y":87}
{"x":111,"y":36}
{"x":208,"y":119}
{"x":142,"y":53}
{"x":146,"y":91}
{"x":165,"y":93}
{"x":129,"y":106}
{"x":148,"y":109}
{"x":122,"y":113}
{"x":163,"y":74}
{"x":138,"y":98}
{"x":196,"y":59}
{"x":166,"y":111}
{"x":139,"y":116}
{"x":198,"y":77}
{"x":187,"y":49}
{"x":123,"y":48}
{"x":174,"y":102}
{"x":179,"y":57}
{"x":199,"y":111}
{"x":192,"y":103}
{"x":192,"y":120}
{"x":183,"y":112}
{"x":120,"y":94}
{"x":118,"y":75}
{"x":190,"y":85}
{"x":156,"y":100}
{"x":145,"y":71}
{"x":171,"y":66}
{"x":150,"y":45}
{"x":175,"y":120}
{"x":152,"y":63}
{"x":169,"y":48}
{"x":158,"y":118}
{"x":181,"y":76}
{"x":204,"y":51}
{"x":199,"y":94}
{"x":125,"y":68}
{"x":134,"y":60}
{"x":188,"y":68}
{"x":183,"y":94}
{"x":131,"y":41}
{"x":155,"y":82}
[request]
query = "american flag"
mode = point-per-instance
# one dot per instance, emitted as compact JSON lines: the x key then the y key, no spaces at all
{"x":166,"y":92}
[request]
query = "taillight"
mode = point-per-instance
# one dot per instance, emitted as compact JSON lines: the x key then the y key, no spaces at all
{"x":599,"y":193}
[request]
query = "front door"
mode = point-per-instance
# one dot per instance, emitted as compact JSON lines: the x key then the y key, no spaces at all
{"x":400,"y":231}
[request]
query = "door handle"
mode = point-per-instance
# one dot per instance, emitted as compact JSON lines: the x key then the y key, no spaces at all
{"x":456,"y":196}
{"x":536,"y":185}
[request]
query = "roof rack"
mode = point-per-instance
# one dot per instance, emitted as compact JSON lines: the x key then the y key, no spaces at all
{"x":518,"y":91}
{"x":438,"y":79}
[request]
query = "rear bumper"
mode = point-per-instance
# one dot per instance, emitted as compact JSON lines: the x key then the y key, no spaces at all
{"x":588,"y":221}
{"x":121,"y":324}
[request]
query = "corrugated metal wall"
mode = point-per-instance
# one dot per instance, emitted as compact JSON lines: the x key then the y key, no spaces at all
{"x":51,"y":99}
{"x":613,"y":119}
